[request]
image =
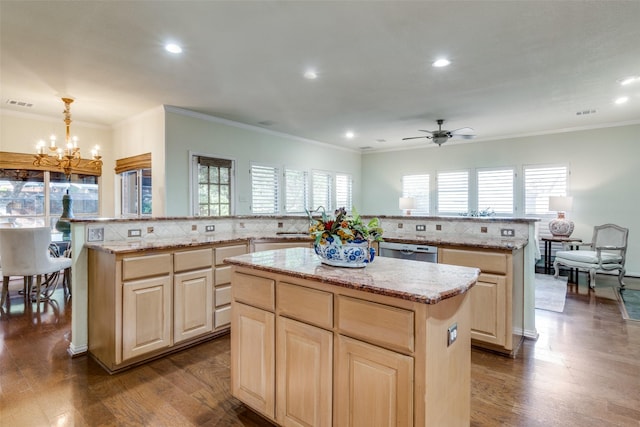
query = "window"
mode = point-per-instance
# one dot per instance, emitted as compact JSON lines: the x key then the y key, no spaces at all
{"x":495,"y":190}
{"x":214,"y":178}
{"x":321,"y":187}
{"x":417,"y":186}
{"x":31,"y":198}
{"x":135,"y":185}
{"x":453,"y":192}
{"x":344,"y":191}
{"x":296,"y":190}
{"x":264,"y":189}
{"x":540,"y":182}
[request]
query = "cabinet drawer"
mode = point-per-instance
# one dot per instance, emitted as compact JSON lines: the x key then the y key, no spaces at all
{"x":381,"y":324}
{"x":223,"y":295}
{"x":223,"y":275}
{"x":228,"y":251}
{"x":306,"y":304}
{"x":222,"y":317}
{"x":146,"y":266}
{"x":192,"y":260}
{"x":487,"y":262}
{"x":254,"y":290}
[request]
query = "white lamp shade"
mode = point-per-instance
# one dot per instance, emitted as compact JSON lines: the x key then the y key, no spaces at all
{"x":407,"y":203}
{"x":560,"y":203}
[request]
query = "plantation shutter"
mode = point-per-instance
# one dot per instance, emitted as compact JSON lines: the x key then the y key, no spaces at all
{"x":495,"y":190}
{"x":296,"y":190}
{"x":417,"y":186}
{"x":264,"y":189}
{"x":321,"y":187}
{"x":344,"y":190}
{"x":539,"y":184}
{"x":453,"y":192}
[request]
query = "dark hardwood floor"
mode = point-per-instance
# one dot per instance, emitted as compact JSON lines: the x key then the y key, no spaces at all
{"x":584,"y":370}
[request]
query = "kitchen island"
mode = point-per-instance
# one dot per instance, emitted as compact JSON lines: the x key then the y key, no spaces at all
{"x":388,"y":344}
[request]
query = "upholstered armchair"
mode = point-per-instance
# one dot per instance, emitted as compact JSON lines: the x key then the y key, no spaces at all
{"x":606,"y":252}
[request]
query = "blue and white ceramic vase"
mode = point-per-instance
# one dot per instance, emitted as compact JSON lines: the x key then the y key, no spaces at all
{"x":351,"y":254}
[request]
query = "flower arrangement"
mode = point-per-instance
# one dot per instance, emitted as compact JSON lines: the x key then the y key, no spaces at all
{"x":344,"y":228}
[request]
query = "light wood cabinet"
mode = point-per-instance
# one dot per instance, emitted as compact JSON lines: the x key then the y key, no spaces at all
{"x":148,"y":303}
{"x":253,"y":371}
{"x":345,"y":357}
{"x":146,"y":314}
{"x":305,"y":367}
{"x":366,"y":373}
{"x":222,"y":290}
{"x":497,"y":307}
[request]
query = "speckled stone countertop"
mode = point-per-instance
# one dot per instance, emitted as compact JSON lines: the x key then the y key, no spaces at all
{"x":135,"y":245}
{"x":421,"y":282}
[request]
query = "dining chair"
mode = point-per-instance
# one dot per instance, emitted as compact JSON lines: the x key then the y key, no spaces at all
{"x":607,"y":251}
{"x":25,"y":252}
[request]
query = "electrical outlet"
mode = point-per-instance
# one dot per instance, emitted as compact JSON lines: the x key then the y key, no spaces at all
{"x":149,"y":230}
{"x":134,"y":232}
{"x":438,"y":227}
{"x":209,"y":228}
{"x":95,"y":234}
{"x":483,"y":229}
{"x":280,"y":225}
{"x":452,"y":334}
{"x":194,"y":227}
{"x":400,"y":225}
{"x":507,"y":232}
{"x":421,"y":227}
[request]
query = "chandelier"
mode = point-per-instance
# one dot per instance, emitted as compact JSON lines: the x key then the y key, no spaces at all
{"x":68,"y":157}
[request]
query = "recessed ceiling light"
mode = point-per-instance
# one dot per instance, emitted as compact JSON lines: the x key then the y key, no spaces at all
{"x":442,"y":62}
{"x":173,"y":48}
{"x":629,"y":80}
{"x":310,"y":74}
{"x":622,"y":100}
{"x":349,"y":134}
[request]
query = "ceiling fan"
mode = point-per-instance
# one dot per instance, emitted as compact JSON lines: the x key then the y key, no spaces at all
{"x":441,"y":136}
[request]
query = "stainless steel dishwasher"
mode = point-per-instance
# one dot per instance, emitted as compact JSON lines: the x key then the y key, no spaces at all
{"x":424,"y":253}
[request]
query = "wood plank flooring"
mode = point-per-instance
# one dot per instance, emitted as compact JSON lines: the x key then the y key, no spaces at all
{"x":584,"y":370}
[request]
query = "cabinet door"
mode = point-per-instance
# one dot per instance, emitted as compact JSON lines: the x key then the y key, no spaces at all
{"x":489,"y":309}
{"x":304,"y":371}
{"x":146,"y":316}
{"x":373,"y":386}
{"x":252,"y":361}
{"x":192,"y":304}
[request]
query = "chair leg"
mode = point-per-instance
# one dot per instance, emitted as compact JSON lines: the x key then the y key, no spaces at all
{"x":621,"y":277}
{"x":592,"y":278}
{"x":556,"y":269}
{"x":5,"y":290}
{"x":38,"y":290}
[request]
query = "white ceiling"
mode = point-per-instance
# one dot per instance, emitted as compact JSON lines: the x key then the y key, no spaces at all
{"x":518,"y":68}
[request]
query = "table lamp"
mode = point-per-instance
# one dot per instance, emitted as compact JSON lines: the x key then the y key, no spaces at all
{"x":560,"y":226}
{"x":406,"y":204}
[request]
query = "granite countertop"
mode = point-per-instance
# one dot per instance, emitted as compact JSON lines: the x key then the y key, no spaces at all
{"x":421,"y":282}
{"x":458,"y":239}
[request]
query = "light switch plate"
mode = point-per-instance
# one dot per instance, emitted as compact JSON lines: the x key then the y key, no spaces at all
{"x":208,"y":228}
{"x":452,"y":334}
{"x":134,"y":232}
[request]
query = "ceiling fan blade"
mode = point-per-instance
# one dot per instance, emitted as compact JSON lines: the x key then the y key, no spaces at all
{"x":414,"y":137}
{"x":427,"y":131}
{"x":463,"y":136}
{"x":463,"y":131}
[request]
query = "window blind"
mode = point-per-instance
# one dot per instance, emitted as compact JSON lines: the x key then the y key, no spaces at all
{"x":344,"y":191}
{"x":321,"y":187}
{"x":296,"y":189}
{"x":417,"y":186}
{"x":264,"y":189}
{"x":495,"y":190}
{"x":453,"y":192}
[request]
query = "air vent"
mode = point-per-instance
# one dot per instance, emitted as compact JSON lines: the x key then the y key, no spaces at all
{"x":368,"y":147}
{"x":19,"y":103}
{"x":585,"y":112}
{"x":381,"y":140}
{"x":267,"y":123}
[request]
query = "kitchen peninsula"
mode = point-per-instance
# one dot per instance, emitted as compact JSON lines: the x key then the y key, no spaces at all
{"x":388,"y":344}
{"x":506,"y":262}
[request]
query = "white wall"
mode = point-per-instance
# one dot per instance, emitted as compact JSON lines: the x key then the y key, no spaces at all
{"x":19,"y":133}
{"x":187,"y":131}
{"x":142,"y":134}
{"x":604,"y":165}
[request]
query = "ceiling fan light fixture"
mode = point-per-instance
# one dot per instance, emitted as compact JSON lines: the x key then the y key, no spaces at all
{"x":441,"y":62}
{"x":440,"y":139}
